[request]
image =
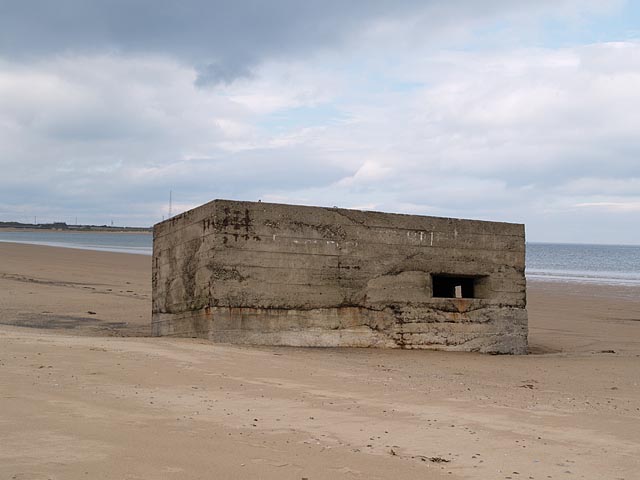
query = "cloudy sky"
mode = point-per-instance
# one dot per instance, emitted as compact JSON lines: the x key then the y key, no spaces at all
{"x":500,"y":110}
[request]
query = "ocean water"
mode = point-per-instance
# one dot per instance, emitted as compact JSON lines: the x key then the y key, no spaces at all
{"x":601,"y":264}
{"x":139,"y":243}
{"x":553,"y":262}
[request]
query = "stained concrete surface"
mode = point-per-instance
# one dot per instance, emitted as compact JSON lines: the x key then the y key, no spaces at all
{"x":259,"y":273}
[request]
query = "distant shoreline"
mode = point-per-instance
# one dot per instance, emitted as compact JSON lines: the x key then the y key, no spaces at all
{"x":98,"y":249}
{"x":127,"y":230}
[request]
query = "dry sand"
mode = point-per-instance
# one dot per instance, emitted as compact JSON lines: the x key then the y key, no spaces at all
{"x":79,"y":402}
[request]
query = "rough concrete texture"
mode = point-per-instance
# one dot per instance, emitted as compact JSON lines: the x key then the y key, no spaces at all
{"x":270,"y":274}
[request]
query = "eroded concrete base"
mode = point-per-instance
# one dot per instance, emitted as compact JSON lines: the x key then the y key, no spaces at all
{"x":500,"y":332}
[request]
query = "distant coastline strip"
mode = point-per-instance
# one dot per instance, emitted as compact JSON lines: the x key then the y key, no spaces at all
{"x":97,"y":248}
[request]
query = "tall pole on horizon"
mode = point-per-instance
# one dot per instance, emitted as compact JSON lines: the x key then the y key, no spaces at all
{"x":170,"y":202}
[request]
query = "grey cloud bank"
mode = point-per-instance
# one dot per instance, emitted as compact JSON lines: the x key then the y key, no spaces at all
{"x":223,"y":39}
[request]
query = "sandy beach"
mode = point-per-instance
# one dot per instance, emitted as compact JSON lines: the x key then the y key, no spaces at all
{"x":85,"y":393}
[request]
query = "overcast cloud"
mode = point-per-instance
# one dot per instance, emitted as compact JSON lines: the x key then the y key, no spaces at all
{"x":495,"y":110}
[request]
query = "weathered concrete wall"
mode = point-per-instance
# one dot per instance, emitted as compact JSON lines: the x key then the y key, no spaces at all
{"x":260,"y":273}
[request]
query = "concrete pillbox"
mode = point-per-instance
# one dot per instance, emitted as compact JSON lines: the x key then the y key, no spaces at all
{"x":271,"y":274}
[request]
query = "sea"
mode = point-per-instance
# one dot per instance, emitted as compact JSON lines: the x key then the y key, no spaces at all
{"x":550,"y":262}
{"x":139,"y":243}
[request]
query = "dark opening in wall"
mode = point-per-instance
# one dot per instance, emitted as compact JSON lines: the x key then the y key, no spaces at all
{"x":456,"y":286}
